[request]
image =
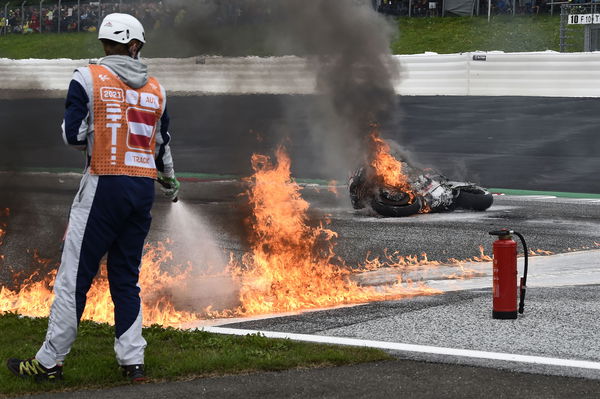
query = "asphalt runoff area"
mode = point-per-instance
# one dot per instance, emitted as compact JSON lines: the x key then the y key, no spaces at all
{"x":515,"y":142}
{"x":559,"y":321}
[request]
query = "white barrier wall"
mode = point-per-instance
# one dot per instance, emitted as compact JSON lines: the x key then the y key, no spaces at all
{"x":536,"y":74}
{"x":481,"y":74}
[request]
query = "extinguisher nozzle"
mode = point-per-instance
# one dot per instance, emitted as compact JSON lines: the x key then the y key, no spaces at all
{"x":501,"y":233}
{"x":523,"y":291}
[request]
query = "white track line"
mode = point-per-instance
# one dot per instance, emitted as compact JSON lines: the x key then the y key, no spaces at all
{"x":549,"y":361}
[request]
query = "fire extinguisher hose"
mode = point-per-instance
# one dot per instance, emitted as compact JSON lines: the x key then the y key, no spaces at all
{"x":523,"y":283}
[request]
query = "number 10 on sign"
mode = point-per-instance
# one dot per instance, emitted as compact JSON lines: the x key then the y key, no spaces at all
{"x":584,"y":19}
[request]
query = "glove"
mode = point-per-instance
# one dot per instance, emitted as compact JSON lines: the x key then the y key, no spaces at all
{"x":170,"y":187}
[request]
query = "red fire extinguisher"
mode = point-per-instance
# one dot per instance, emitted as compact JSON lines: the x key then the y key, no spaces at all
{"x":505,"y":275}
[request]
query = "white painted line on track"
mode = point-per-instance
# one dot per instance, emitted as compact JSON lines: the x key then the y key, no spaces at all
{"x":548,"y":361}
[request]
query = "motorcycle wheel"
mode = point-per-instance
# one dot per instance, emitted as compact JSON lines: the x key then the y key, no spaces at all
{"x":475,"y":199}
{"x":356,"y":186}
{"x":386,"y":208}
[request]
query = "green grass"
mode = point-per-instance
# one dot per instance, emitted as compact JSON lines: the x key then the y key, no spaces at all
{"x":50,"y":46}
{"x":415,"y":35}
{"x":171,"y":355}
{"x":462,"y":34}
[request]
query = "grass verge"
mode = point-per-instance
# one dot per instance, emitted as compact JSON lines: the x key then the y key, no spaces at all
{"x":414,"y":36}
{"x":50,"y":46}
{"x":171,"y":355}
{"x":462,"y":34}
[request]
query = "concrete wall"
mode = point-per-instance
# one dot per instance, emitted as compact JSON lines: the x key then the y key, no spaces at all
{"x":500,"y":74}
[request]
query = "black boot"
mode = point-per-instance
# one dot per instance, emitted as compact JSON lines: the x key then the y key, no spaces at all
{"x":31,"y":368}
{"x":134,"y":372}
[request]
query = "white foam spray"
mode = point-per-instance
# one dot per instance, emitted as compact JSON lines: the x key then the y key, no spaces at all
{"x":194,"y":245}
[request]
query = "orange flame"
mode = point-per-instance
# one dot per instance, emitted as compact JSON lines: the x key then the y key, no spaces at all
{"x":292,"y":265}
{"x":2,"y":234}
{"x":539,"y":252}
{"x":35,"y":297}
{"x":396,"y":260}
{"x":332,"y":187}
{"x":5,"y":212}
{"x":388,"y":170}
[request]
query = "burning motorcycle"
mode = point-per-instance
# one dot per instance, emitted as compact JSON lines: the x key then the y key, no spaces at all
{"x":424,"y":192}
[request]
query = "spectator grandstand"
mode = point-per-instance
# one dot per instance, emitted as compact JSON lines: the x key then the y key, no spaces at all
{"x":35,"y":16}
{"x":76,"y":16}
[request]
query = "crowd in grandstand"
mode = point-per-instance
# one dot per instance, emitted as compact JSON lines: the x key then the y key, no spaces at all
{"x":71,"y":17}
{"x":85,"y":17}
{"x":430,"y":8}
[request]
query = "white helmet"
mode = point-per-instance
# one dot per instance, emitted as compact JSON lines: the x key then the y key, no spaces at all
{"x":121,"y":28}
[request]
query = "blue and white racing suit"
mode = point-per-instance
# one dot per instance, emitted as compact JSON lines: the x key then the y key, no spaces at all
{"x":109,"y":215}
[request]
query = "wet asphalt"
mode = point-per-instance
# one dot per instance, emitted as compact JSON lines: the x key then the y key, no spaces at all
{"x":534,"y":143}
{"x":389,"y":379}
{"x":559,"y":321}
{"x":524,"y":143}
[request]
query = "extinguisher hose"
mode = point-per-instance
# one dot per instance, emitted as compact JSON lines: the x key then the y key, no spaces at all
{"x":523,"y":285}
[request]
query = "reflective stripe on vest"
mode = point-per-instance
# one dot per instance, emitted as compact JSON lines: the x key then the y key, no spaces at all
{"x":125,"y":122}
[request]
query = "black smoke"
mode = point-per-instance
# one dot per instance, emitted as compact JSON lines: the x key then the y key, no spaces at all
{"x":345,"y":42}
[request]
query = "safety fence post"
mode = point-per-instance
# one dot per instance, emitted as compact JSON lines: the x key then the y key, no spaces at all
{"x":563,"y":27}
{"x":40,"y":17}
{"x":23,"y":16}
{"x":6,"y":18}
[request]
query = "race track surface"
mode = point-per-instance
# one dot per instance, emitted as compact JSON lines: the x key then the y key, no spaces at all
{"x":392,"y":379}
{"x":510,"y":142}
{"x":559,"y":320}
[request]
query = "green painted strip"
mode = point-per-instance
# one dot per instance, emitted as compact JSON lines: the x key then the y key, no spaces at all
{"x":509,"y":191}
{"x":212,"y":176}
{"x":43,"y":170}
{"x":206,"y":176}
{"x":200,"y":176}
{"x":312,"y":181}
{"x":216,"y":176}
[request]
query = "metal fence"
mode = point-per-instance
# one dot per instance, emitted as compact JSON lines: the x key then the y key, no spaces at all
{"x":71,"y":16}
{"x":31,"y":16}
{"x":434,"y":8}
{"x":41,"y":16}
{"x":580,"y":27}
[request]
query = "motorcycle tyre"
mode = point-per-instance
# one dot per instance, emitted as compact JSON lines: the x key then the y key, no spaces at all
{"x":355,"y":187}
{"x":389,"y":210}
{"x":475,"y":201}
{"x":405,"y":200}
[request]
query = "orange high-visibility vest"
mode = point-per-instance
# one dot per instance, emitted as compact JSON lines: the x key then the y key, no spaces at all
{"x":125,"y":121}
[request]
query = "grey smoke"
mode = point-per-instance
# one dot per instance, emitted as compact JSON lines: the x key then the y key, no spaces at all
{"x":347,"y":45}
{"x":194,"y":246}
